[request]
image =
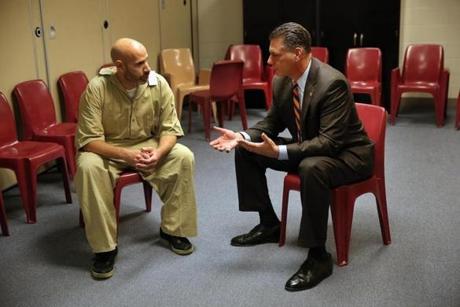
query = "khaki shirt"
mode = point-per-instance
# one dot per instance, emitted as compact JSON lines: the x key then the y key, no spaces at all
{"x":107,"y":113}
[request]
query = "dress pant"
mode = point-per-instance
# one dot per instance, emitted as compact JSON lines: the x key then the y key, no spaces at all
{"x":318,"y":175}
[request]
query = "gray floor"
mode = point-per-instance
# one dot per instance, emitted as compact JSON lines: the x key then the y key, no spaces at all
{"x":46,"y":264}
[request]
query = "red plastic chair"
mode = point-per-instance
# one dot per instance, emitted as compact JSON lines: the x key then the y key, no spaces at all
{"x":225,"y":85}
{"x":364,"y":72}
{"x":423,"y":71}
{"x":25,"y":157}
{"x":72,"y":85}
{"x":343,"y":197}
{"x":457,"y":118}
{"x":3,"y":223}
{"x":39,"y":119}
{"x":321,"y":53}
{"x":128,"y":178}
{"x":255,"y":76}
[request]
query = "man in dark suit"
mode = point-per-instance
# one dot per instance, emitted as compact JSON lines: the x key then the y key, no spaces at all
{"x":329,"y":148}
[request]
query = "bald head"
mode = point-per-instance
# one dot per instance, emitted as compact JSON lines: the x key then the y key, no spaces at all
{"x":131,"y":59}
{"x":125,"y":48}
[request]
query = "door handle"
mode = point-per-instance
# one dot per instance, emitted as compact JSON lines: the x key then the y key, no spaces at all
{"x":361,"y":39}
{"x":38,"y":32}
{"x":355,"y":36}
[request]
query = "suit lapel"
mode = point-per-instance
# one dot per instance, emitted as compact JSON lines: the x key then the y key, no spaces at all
{"x":310,"y":87}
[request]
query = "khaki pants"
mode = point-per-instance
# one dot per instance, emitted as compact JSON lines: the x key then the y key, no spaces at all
{"x":172,"y":179}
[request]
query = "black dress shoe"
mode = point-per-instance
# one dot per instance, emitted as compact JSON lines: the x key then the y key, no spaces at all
{"x":311,"y":273}
{"x":258,"y":235}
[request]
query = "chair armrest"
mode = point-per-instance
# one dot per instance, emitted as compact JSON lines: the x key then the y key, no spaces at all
{"x":204,"y":76}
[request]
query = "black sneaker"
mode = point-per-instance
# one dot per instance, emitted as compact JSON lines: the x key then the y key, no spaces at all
{"x":179,"y":245}
{"x":103,"y":264}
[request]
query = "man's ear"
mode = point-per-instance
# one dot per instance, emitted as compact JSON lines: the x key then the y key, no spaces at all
{"x":119,"y":64}
{"x":299,"y":52}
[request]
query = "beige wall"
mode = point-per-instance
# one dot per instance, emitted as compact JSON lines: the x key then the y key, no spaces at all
{"x":438,"y":22}
{"x":220,"y":23}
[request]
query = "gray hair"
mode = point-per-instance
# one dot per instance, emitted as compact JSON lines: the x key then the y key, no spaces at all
{"x":294,"y":35}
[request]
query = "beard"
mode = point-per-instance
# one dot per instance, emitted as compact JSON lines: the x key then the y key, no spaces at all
{"x":144,"y":77}
{"x":135,"y":78}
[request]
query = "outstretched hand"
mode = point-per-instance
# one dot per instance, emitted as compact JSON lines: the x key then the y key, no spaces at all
{"x":227,"y":140}
{"x":266,"y":148}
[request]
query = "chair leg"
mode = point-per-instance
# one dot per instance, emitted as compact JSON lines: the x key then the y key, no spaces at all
{"x":284,"y":212}
{"x":147,"y":196}
{"x":27,"y":182}
{"x":383,"y":212}
{"x":3,"y":222}
{"x":70,"y":156}
{"x":179,"y":104}
{"x":214,"y":111}
{"x":221,"y":109}
{"x":81,"y":221}
{"x":117,"y":200}
{"x":190,"y":115}
{"x":341,"y":221}
{"x":444,"y":88}
{"x":439,"y":108}
{"x":231,"y":109}
{"x":457,"y":117}
{"x":65,"y":178}
{"x":206,"y":106}
{"x":243,"y":113}
{"x":375,"y":96}
{"x":394,"y":108}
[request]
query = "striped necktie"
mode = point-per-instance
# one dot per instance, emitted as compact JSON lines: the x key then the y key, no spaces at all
{"x":297,"y":110}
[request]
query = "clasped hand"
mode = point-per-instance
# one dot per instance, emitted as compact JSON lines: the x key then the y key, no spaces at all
{"x":144,"y":159}
{"x":228,"y":140}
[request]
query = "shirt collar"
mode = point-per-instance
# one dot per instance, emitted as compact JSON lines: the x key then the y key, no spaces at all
{"x":303,"y":78}
{"x":140,"y":88}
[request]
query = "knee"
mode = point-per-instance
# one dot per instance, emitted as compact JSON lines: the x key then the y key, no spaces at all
{"x":88,"y":162}
{"x":311,"y":169}
{"x":185,"y":156}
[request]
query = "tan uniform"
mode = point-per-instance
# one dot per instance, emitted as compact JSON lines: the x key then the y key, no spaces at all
{"x":106,"y":113}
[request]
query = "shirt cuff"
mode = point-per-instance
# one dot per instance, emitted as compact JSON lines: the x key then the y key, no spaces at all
{"x":245,"y":135}
{"x":283,"y":154}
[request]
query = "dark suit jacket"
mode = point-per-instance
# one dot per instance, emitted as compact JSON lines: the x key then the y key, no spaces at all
{"x":330,"y":124}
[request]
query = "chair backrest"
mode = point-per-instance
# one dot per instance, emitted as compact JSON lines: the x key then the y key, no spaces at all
{"x":374,"y":119}
{"x":251,"y":56}
{"x":226,"y":78}
{"x":364,"y":64}
{"x":321,"y":53}
{"x":36,"y":106}
{"x":179,"y":64}
{"x":72,"y":85}
{"x":423,"y":63}
{"x":7,"y":124}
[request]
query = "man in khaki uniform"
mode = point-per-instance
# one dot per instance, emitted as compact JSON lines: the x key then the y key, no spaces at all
{"x":127,"y":120}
